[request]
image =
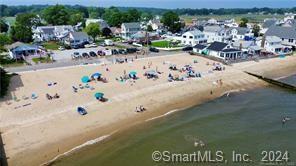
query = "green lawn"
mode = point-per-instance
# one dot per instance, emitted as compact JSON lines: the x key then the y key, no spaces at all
{"x":163,"y":44}
{"x":41,"y":60}
{"x":10,"y":20}
{"x":51,"y":45}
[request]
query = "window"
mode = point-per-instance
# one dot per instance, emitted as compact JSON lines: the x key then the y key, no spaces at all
{"x":222,"y":55}
{"x":291,"y":40}
{"x":184,"y":36}
{"x":190,"y":37}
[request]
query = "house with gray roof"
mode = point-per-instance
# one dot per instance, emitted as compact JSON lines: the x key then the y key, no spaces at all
{"x":129,"y":29}
{"x":217,"y":33}
{"x":102,"y":23}
{"x":286,"y":34}
{"x":223,"y":51}
{"x":273,"y":44}
{"x":77,"y":38}
{"x":240,"y":33}
{"x":19,"y":50}
{"x":48,"y":33}
{"x":193,"y":37}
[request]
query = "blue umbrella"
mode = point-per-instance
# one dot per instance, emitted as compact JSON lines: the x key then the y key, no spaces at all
{"x":85,"y":79}
{"x":133,"y":73}
{"x":99,"y":95}
{"x":96,"y":75}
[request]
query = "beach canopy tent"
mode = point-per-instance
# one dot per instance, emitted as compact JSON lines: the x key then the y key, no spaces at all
{"x":99,"y":95}
{"x":133,"y":73}
{"x":96,"y":75}
{"x":151,"y":72}
{"x":85,"y":79}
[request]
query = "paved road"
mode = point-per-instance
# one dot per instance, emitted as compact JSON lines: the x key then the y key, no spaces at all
{"x":70,"y":62}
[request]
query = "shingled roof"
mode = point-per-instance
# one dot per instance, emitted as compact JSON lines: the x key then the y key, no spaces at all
{"x":282,"y":32}
{"x":217,"y":46}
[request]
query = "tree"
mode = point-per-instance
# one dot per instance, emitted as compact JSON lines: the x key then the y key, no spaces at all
{"x":146,"y":16}
{"x":172,"y":21}
{"x":256,"y":30}
{"x":93,"y":30}
{"x":22,"y":30}
{"x":113,"y":16}
{"x":149,"y":28}
{"x":106,"y":32}
{"x":56,"y":15}
{"x":133,"y":15}
{"x":4,"y":39}
{"x":75,"y":18}
{"x":243,"y":22}
{"x":3,"y":26}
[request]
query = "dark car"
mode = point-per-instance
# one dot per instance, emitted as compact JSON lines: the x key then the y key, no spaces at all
{"x":114,"y":52}
{"x":187,"y":48}
{"x":93,"y":54}
{"x":85,"y":55}
{"x":122,"y":51}
{"x":153,"y":49}
{"x":101,"y":53}
{"x":81,"y":111}
{"x":131,"y":50}
{"x":76,"y":46}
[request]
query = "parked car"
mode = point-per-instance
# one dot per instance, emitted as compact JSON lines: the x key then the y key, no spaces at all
{"x":93,"y":45}
{"x":187,"y":48}
{"x":85,"y":55}
{"x":131,"y":50}
{"x":114,"y":52}
{"x":119,"y":60}
{"x":122,"y":51}
{"x":109,"y":42}
{"x":102,"y":44}
{"x":61,"y":48}
{"x":93,"y":54}
{"x":101,"y":53}
{"x":153,"y":49}
{"x":76,"y":55}
{"x":81,"y":111}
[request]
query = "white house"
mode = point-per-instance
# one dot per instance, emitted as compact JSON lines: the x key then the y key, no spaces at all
{"x":129,"y":29}
{"x":216,"y":33}
{"x":247,"y":47}
{"x":102,"y":23}
{"x":223,"y":51}
{"x":286,"y":34}
{"x":155,"y":24}
{"x":47,"y":33}
{"x":76,"y":38}
{"x":273,"y":44}
{"x":212,"y":21}
{"x":240,"y":33}
{"x":193,"y":37}
{"x":199,"y":48}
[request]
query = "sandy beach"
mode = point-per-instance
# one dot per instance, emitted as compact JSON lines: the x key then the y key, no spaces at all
{"x":35,"y":131}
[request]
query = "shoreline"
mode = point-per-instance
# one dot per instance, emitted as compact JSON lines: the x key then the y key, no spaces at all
{"x":102,"y":138}
{"x":158,"y":99}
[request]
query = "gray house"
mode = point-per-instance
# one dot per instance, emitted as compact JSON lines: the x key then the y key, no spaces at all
{"x":77,"y":38}
{"x":129,"y":29}
{"x":286,"y":34}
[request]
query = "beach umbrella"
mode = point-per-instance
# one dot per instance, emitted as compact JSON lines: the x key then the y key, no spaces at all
{"x":85,"y":79}
{"x":96,"y":75}
{"x":133,"y":73}
{"x":99,"y":95}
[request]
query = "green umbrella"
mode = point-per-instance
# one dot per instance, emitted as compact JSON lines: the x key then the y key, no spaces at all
{"x":85,"y":79}
{"x":99,"y":95}
{"x":133,"y":73}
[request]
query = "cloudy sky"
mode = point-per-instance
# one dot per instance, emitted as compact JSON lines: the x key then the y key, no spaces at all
{"x":163,"y":3}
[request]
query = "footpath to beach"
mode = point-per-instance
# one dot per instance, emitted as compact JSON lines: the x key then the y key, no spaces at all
{"x":36,"y":131}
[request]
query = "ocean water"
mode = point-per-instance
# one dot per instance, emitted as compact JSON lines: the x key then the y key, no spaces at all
{"x":247,"y":123}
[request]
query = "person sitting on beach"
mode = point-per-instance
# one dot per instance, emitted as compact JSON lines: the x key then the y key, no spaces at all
{"x":137,"y":110}
{"x":48,"y":96}
{"x":142,"y":108}
{"x":56,"y":96}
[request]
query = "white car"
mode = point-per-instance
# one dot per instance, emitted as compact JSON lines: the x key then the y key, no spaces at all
{"x":61,"y":48}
